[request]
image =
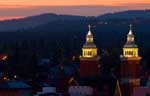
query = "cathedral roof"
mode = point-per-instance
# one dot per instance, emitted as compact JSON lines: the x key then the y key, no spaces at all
{"x":89,"y":40}
{"x":89,"y":45}
{"x":130,"y":45}
{"x":130,"y":40}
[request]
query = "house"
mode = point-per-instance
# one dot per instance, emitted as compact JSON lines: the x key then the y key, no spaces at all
{"x":15,"y":88}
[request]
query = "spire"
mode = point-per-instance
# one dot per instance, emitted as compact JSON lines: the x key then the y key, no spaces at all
{"x":130,"y":39}
{"x":89,"y":48}
{"x":89,"y":32}
{"x":130,"y":32}
{"x":89,"y":27}
{"x":89,"y":39}
{"x":89,"y":36}
{"x":130,"y":36}
{"x":130,"y":49}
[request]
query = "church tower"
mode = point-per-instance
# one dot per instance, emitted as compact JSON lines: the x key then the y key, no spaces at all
{"x":130,"y":64}
{"x":89,"y":61}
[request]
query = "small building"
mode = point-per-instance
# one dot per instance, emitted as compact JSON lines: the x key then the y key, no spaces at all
{"x":46,"y":91}
{"x":80,"y":91}
{"x":141,"y":91}
{"x":15,"y":88}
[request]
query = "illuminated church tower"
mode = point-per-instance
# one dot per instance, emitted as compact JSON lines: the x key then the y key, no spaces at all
{"x":130,"y":64}
{"x":89,"y":61}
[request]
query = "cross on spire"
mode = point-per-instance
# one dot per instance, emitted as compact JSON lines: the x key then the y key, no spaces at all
{"x":89,"y":32}
{"x":89,"y":27}
{"x":130,"y":26}
{"x":130,"y":32}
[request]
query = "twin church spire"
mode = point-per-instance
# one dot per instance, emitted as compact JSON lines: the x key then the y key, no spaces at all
{"x":90,"y":59}
{"x":130,"y":49}
{"x":89,"y":49}
{"x":89,"y":36}
{"x":130,"y":36}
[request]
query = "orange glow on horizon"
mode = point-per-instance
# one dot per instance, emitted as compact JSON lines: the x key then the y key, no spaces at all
{"x":71,"y":2}
{"x":9,"y":17}
{"x":15,"y":8}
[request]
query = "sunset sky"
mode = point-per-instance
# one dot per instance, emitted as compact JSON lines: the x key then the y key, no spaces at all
{"x":22,"y":8}
{"x":70,"y":2}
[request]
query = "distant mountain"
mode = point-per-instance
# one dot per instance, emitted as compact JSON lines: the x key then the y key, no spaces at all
{"x":141,"y":14}
{"x":66,"y":28}
{"x":34,"y":21}
{"x":39,"y":20}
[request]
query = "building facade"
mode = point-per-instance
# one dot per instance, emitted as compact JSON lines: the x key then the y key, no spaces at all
{"x":89,"y":61}
{"x":130,"y":65}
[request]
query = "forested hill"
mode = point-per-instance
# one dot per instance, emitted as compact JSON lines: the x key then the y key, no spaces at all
{"x":108,"y":29}
{"x":59,"y":37}
{"x":34,"y":21}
